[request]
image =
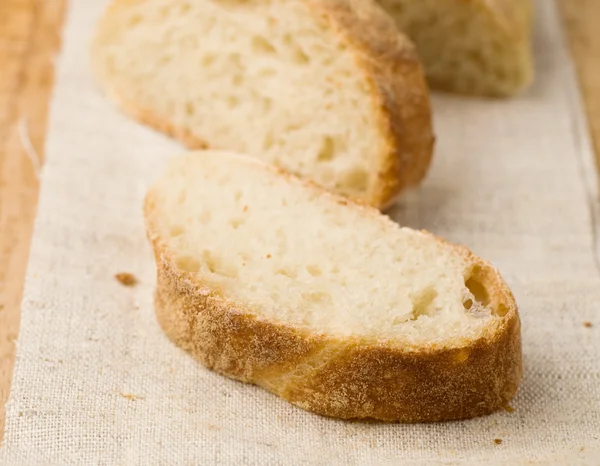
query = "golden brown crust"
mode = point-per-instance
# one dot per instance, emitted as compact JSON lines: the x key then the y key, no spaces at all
{"x":399,"y":89}
{"x":390,"y":62}
{"x":343,"y":377}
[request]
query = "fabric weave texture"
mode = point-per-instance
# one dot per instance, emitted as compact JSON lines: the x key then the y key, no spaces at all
{"x":97,"y":382}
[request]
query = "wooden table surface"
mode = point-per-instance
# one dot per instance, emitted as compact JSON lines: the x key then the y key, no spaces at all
{"x":29,"y":42}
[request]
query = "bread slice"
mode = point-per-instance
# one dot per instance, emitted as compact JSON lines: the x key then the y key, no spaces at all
{"x":470,"y":46}
{"x":328,"y":89}
{"x":269,"y":279}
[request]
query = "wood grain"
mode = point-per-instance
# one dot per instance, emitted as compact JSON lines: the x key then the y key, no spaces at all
{"x":29,"y":41}
{"x":582,"y":25}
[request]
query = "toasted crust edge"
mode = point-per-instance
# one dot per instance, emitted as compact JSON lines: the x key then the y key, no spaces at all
{"x":349,"y":378}
{"x":400,"y":94}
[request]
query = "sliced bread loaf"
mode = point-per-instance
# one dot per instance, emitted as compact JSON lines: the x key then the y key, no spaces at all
{"x":470,"y":46}
{"x":269,"y":279}
{"x":328,"y":89}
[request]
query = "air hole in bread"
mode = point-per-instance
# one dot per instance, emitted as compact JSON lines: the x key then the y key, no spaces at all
{"x":269,"y":141}
{"x":187,"y":263}
{"x":501,"y":310}
{"x":190,"y":109}
{"x":316,"y":296}
{"x":327,"y":151}
{"x":478,"y":289}
{"x":266,"y":73}
{"x":218,"y":266}
{"x":294,"y":126}
{"x":176,"y":230}
{"x":355,"y":179}
{"x":207,"y":60}
{"x":300,"y":56}
{"x":423,"y":303}
{"x":232,"y":101}
{"x":267,"y":104}
{"x":286,"y":272}
{"x":262,"y":45}
{"x":480,"y":297}
{"x":236,"y":60}
{"x":314,"y":270}
{"x":236,"y":222}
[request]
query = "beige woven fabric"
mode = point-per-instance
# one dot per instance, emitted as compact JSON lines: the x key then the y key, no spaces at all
{"x":96,"y":382}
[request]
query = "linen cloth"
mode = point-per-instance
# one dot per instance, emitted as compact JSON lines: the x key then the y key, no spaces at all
{"x":97,"y":382}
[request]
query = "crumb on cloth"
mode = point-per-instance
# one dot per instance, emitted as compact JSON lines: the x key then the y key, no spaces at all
{"x":131,"y":396}
{"x":587,"y":324}
{"x":497,"y":441}
{"x":509,"y":409}
{"x":126,"y":278}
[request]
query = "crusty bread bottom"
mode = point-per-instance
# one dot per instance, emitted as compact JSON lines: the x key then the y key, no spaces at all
{"x":343,"y":379}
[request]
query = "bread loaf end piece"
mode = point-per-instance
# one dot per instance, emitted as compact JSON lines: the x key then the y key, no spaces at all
{"x":480,"y":47}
